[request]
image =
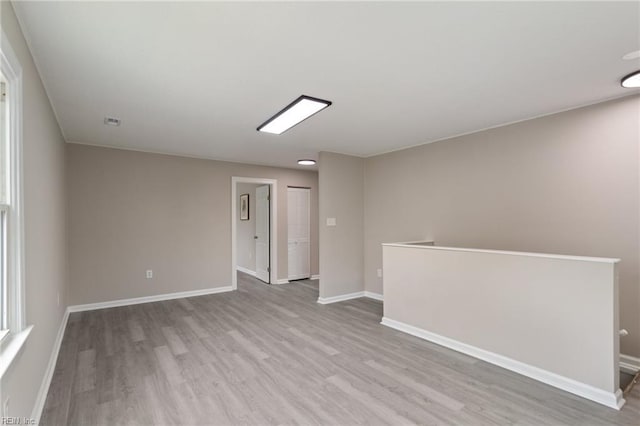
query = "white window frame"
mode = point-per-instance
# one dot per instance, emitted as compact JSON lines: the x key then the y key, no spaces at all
{"x":4,"y":317}
{"x":16,"y":320}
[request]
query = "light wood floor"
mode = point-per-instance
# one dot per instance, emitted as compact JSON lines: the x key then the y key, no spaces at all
{"x":271,"y":355}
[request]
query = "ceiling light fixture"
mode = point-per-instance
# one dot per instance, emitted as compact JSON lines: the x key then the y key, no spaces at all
{"x":632,"y":55}
{"x":294,"y":113}
{"x":111,"y":121}
{"x":631,"y":81}
{"x":306,"y":162}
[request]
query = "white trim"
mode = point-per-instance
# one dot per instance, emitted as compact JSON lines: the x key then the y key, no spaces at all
{"x":425,"y":242}
{"x":11,"y":347}
{"x":610,"y":399}
{"x":629,"y":364}
{"x":315,"y":277}
{"x":12,"y":70}
{"x":282,"y":281}
{"x":246,"y":271}
{"x":341,"y":298}
{"x":51,"y":366}
{"x":511,"y":253}
{"x":148,"y":299}
{"x":273,"y":235}
{"x":349,"y":296}
{"x":375,"y":296}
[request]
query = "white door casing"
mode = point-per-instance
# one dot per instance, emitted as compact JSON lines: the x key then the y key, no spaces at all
{"x":273,"y":258}
{"x":299,"y":232}
{"x":262,"y":236}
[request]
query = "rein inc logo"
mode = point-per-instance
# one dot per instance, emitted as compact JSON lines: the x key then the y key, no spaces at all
{"x":5,"y":420}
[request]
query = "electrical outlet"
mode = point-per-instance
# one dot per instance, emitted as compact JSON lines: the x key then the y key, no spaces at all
{"x":379,"y":273}
{"x":149,"y":274}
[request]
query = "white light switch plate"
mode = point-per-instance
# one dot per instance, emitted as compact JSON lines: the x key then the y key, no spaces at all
{"x":331,"y":221}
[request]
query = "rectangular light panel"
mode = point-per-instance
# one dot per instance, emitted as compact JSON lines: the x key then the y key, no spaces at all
{"x":294,"y":113}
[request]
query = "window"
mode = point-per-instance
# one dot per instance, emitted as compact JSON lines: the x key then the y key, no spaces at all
{"x":13,"y":332}
{"x":4,"y":204}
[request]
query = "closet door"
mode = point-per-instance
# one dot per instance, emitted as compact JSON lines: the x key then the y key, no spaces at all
{"x":299,"y":232}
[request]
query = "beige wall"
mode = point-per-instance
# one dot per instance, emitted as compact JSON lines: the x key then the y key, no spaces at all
{"x":518,"y":306}
{"x":246,"y":229}
{"x":566,"y":183}
{"x":341,"y":197}
{"x":132,"y":211}
{"x":45,"y":229}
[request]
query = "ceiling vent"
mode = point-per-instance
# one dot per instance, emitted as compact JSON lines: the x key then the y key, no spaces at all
{"x":111,"y":121}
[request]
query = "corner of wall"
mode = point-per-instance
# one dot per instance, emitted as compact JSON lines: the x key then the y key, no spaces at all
{"x":341,"y":221}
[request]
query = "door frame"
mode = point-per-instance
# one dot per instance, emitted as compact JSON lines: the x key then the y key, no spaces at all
{"x":308,"y":189}
{"x":273,"y":224}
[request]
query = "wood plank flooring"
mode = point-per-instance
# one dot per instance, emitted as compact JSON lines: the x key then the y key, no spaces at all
{"x":271,"y":355}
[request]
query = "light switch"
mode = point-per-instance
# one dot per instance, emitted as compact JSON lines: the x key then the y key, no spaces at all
{"x":331,"y":221}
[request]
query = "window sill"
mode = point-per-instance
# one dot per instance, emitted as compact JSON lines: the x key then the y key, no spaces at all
{"x":10,"y":348}
{"x":3,"y":334}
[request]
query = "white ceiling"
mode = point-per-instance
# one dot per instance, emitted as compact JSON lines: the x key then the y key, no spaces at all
{"x":198,"y":78}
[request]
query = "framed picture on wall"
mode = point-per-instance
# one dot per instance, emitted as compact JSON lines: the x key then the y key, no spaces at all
{"x":244,"y":207}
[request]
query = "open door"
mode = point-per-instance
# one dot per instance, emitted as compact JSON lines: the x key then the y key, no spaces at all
{"x":263,"y":233}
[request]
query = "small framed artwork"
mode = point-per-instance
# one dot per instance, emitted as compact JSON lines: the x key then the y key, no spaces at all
{"x":244,"y":207}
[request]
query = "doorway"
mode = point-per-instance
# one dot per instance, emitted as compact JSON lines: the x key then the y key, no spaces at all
{"x":262,"y":207}
{"x":299,"y":232}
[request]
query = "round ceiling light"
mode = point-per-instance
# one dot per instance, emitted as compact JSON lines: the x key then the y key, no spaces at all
{"x":306,"y":162}
{"x":632,"y":80}
{"x":632,"y":55}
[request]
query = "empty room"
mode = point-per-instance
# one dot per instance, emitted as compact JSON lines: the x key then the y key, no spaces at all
{"x":328,"y":213}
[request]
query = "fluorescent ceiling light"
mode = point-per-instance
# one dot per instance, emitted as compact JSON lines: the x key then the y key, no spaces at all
{"x":631,"y":81}
{"x":306,"y":162}
{"x":294,"y":113}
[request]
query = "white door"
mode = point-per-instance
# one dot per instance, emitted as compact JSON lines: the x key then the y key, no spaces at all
{"x":262,"y":233}
{"x":299,"y":237}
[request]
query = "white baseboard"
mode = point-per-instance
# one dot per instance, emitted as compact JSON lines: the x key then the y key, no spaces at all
{"x":610,"y":399}
{"x":372,"y":295}
{"x":48,"y":374}
{"x":282,"y":281}
{"x":312,"y":277}
{"x":148,"y":299}
{"x":341,"y":298}
{"x":246,"y":271}
{"x":46,"y":381}
{"x":629,"y":364}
